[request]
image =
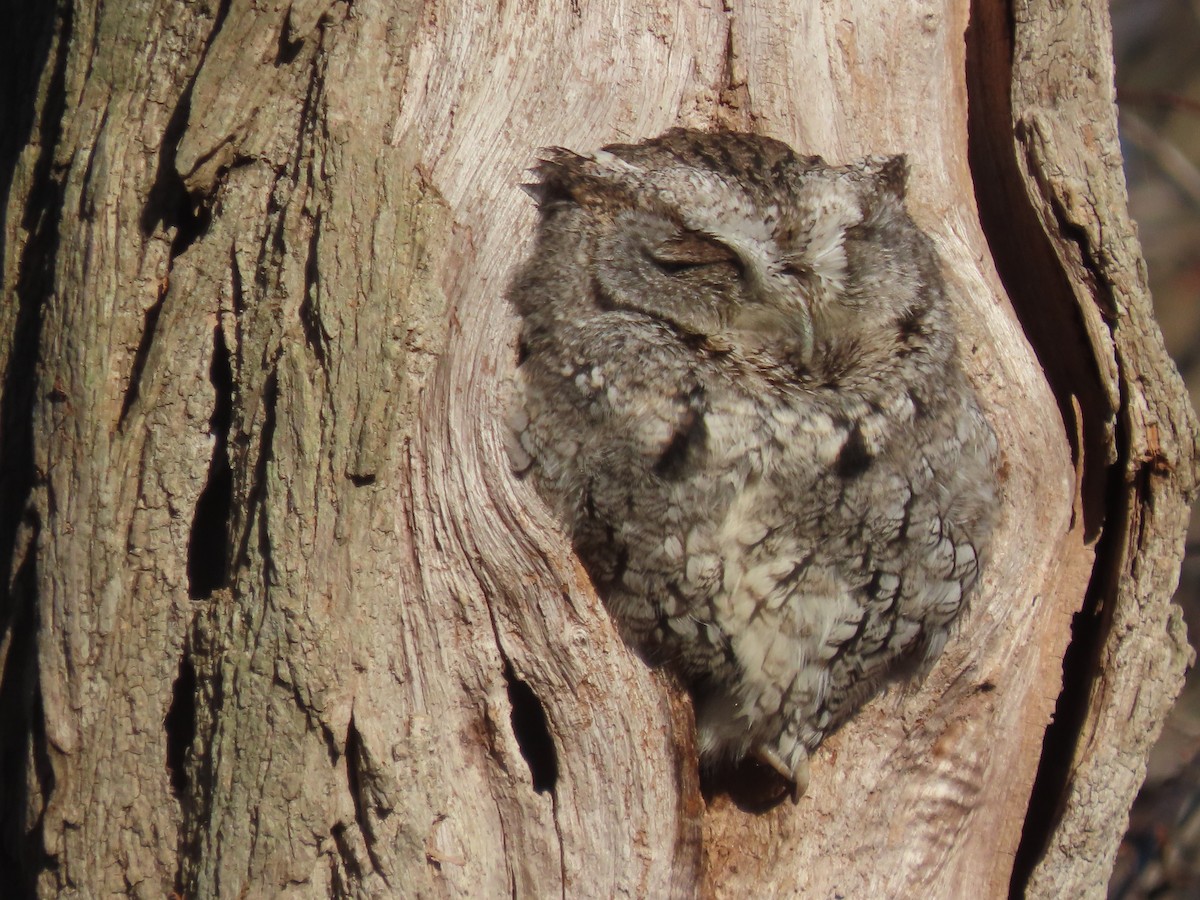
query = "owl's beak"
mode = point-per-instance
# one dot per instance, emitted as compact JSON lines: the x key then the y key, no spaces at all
{"x":785,"y":332}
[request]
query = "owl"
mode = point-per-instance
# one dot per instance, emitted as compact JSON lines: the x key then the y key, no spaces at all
{"x":738,"y":387}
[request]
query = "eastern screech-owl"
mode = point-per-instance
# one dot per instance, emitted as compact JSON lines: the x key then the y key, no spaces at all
{"x":739,"y":388}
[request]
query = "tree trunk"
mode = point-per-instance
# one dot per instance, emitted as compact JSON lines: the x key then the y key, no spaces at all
{"x":277,"y":619}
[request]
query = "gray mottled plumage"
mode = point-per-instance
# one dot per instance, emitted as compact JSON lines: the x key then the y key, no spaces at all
{"x":739,"y":389}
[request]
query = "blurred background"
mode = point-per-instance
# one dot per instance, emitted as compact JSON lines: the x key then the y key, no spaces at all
{"x":1157,"y":48}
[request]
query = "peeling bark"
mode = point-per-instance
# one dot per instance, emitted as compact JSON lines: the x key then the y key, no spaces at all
{"x":277,"y":620}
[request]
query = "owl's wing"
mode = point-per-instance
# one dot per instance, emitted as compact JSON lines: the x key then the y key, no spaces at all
{"x":625,"y":381}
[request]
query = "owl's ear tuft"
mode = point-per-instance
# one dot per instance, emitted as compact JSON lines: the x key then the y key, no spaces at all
{"x":542,"y":193}
{"x":564,"y":176}
{"x":555,"y":173}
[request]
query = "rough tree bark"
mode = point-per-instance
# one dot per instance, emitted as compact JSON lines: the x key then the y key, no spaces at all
{"x":277,"y":621}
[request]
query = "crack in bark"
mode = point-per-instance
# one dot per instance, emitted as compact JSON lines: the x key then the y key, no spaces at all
{"x":169,"y":207}
{"x":532,"y":731}
{"x":1028,"y":266}
{"x":179,"y":724}
{"x":168,"y":204}
{"x":209,"y":693}
{"x":527,"y":718}
{"x":356,"y":757}
{"x":288,"y":47}
{"x":544,"y":739}
{"x":345,"y":853}
{"x":733,"y":88}
{"x":1090,"y":628}
{"x":208,"y":541}
{"x":149,"y":326}
{"x":256,"y":495}
{"x":315,"y":334}
{"x":87,"y":206}
{"x":1045,"y":304}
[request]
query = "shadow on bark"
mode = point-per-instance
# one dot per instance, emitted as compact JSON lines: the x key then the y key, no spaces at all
{"x":25,"y":51}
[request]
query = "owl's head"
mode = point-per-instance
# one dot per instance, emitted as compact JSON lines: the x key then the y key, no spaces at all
{"x":736,"y":239}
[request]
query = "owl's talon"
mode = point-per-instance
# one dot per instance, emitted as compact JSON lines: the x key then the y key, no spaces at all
{"x":797,"y":775}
